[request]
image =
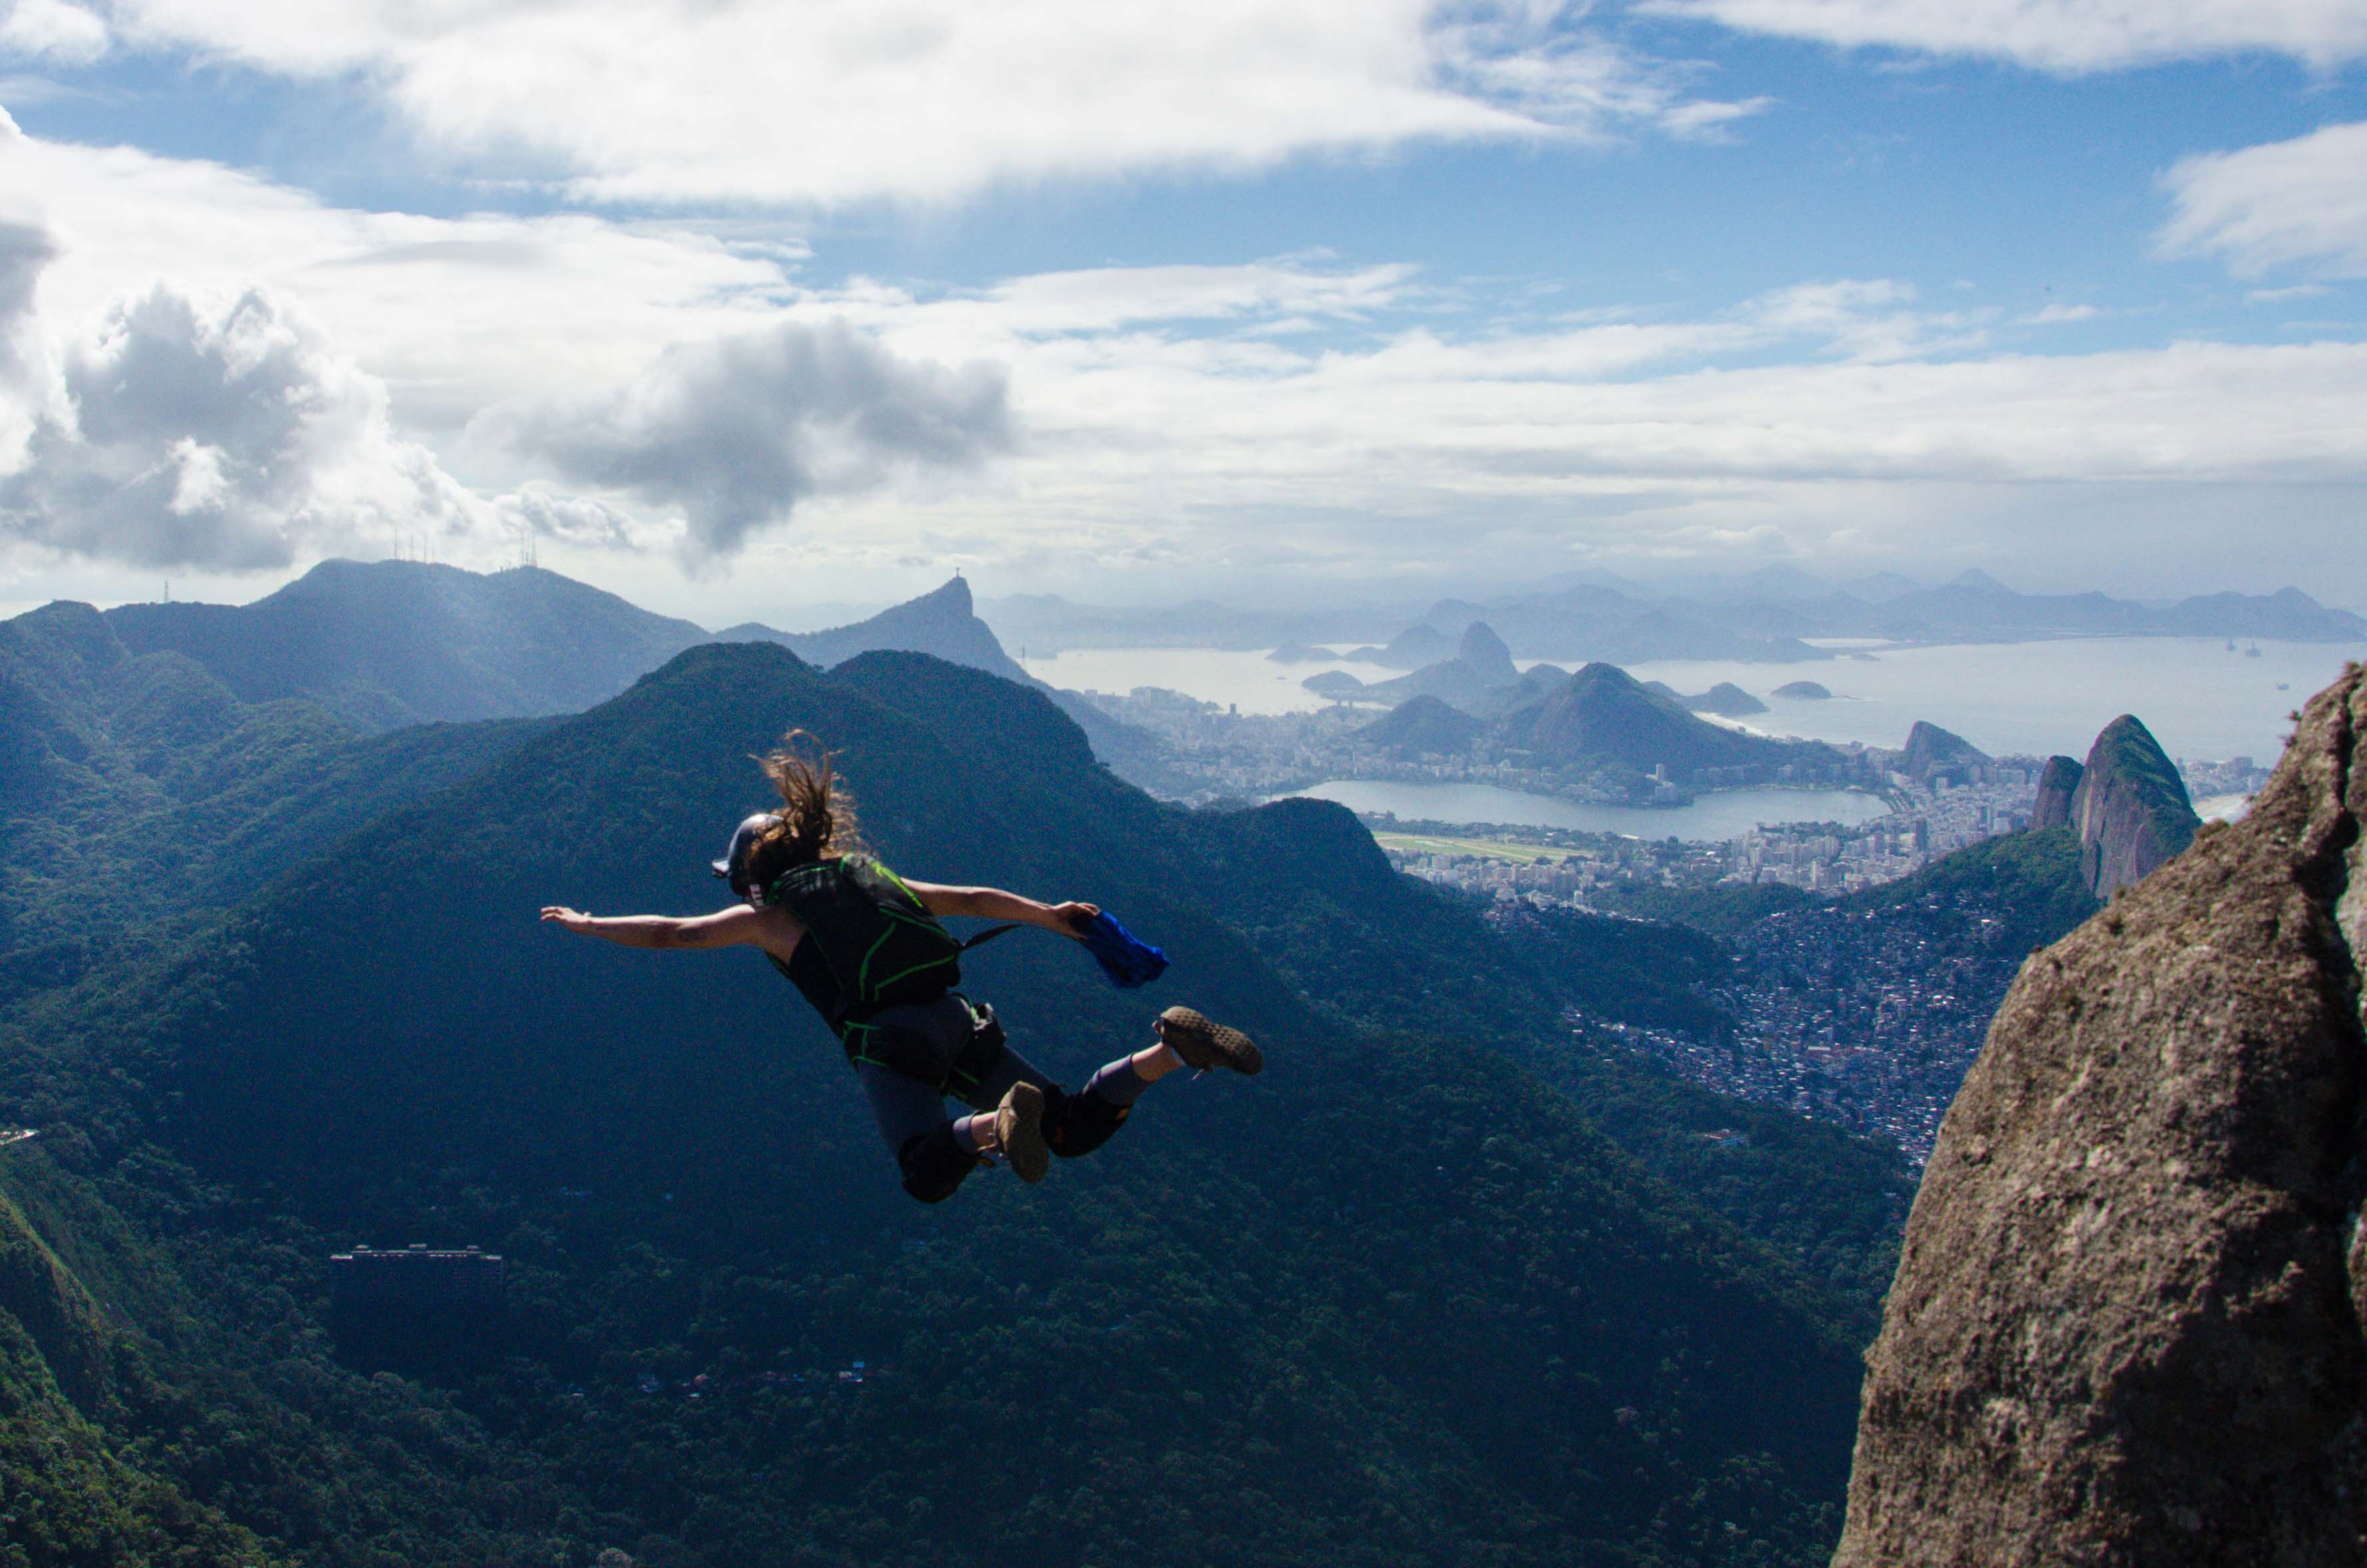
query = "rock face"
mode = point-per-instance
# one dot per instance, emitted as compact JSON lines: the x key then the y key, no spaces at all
{"x":2057,"y":783}
{"x":1931,"y":749}
{"x":1485,"y":653}
{"x":2125,"y":1327}
{"x":2130,"y":808}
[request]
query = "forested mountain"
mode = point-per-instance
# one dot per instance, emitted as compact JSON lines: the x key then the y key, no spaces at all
{"x":941,"y":622}
{"x":382,"y":645}
{"x":389,"y":643}
{"x":1396,"y":1301}
{"x":1602,"y":714}
{"x":135,"y":787}
{"x":1421,"y":724}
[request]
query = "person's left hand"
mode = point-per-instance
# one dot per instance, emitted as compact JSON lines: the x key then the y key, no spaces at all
{"x":567,"y":919}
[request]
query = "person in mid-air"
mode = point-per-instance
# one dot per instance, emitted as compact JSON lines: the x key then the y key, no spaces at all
{"x":865,"y":948}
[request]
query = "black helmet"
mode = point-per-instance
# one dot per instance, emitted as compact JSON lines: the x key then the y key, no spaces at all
{"x":733,"y":867}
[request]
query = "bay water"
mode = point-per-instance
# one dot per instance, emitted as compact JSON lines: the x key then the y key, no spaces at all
{"x":2200,"y":699}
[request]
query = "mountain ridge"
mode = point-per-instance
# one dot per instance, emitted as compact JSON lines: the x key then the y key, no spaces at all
{"x":347,"y":1057}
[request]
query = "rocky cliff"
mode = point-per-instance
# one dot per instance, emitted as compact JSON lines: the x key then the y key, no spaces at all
{"x":2057,"y":783}
{"x":1932,"y":749}
{"x":2130,"y":808}
{"x":2125,"y":1327}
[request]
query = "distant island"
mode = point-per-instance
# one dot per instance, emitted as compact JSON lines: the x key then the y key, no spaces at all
{"x":1805,"y":691}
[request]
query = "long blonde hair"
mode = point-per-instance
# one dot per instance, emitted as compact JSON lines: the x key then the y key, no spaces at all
{"x":816,"y":821}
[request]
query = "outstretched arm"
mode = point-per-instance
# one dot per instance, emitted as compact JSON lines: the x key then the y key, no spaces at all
{"x":993,"y":904}
{"x":770,"y":928}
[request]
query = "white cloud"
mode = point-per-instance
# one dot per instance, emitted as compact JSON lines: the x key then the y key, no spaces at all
{"x":219,"y":433}
{"x":53,"y":30}
{"x":655,"y":102}
{"x":579,"y":521}
{"x":25,"y":250}
{"x":1868,"y":318}
{"x":2300,"y":203}
{"x":2068,"y":37}
{"x":1175,"y":419}
{"x":451,"y":314}
{"x":737,"y":431}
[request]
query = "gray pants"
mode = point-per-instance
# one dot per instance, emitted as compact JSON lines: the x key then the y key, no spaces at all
{"x":906,"y":1108}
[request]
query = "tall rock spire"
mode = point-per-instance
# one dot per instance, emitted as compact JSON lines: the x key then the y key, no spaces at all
{"x":2126,"y":1323}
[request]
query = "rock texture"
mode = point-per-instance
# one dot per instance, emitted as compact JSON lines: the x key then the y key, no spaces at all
{"x":2057,"y":783}
{"x":2130,"y":808}
{"x":1931,"y":749}
{"x":2126,"y":1324}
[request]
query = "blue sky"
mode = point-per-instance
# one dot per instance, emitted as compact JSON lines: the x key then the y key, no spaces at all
{"x":738,"y":308}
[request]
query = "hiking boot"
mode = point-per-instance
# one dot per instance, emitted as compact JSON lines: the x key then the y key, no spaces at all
{"x":1202,"y":1045}
{"x":1019,"y":1132}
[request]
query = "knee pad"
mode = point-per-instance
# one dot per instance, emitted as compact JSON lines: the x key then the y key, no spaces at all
{"x":934,"y":1165}
{"x":1078,"y":1124}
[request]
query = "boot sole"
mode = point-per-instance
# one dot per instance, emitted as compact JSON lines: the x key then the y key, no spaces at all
{"x":1021,"y":1132}
{"x":1213,"y":1044}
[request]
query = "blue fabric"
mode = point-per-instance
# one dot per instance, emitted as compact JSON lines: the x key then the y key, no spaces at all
{"x":1127,"y":962}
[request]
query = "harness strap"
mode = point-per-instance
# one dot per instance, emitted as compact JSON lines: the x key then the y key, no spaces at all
{"x":989,"y":935}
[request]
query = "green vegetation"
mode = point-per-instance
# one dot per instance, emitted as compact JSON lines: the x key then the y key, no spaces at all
{"x":389,"y":642}
{"x":2029,"y":882}
{"x":1602,"y":714}
{"x":1396,"y":1302}
{"x":1719,"y":908}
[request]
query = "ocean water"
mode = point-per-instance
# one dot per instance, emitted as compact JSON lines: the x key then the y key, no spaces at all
{"x":2200,"y":699}
{"x":1710,"y":819}
{"x":2036,"y":698}
{"x":1248,"y":680}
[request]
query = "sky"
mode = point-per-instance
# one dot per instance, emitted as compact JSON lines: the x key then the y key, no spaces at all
{"x":740,"y":309}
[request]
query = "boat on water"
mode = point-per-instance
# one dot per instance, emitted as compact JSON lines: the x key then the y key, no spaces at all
{"x":2253,"y":651}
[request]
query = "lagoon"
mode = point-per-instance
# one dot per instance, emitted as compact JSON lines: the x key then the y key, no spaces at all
{"x":1710,"y":819}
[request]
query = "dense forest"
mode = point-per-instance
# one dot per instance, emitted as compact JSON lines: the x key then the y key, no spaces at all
{"x":1444,"y":1285}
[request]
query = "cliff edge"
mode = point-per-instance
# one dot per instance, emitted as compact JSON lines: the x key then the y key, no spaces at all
{"x":2057,"y":785}
{"x":2125,"y":1327}
{"x":2130,"y":808}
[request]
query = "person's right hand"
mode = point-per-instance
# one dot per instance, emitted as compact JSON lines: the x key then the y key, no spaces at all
{"x":1075,"y":918}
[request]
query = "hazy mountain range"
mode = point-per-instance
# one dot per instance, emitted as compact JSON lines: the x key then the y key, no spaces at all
{"x":1764,"y":617}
